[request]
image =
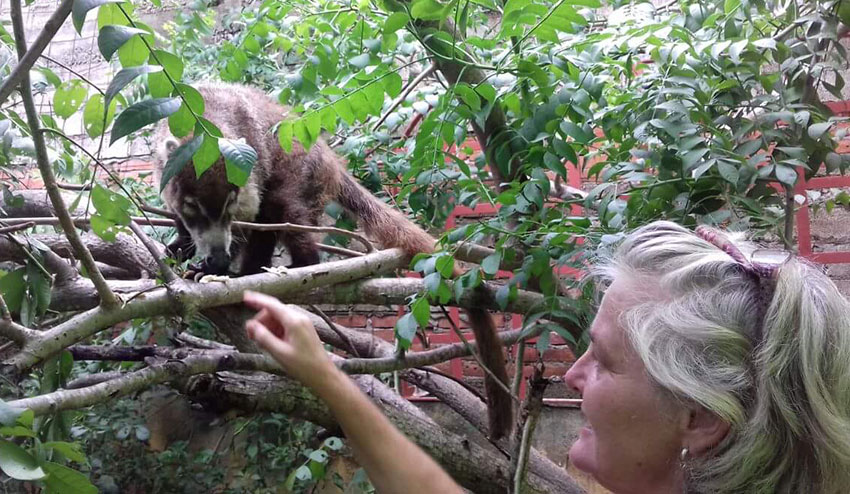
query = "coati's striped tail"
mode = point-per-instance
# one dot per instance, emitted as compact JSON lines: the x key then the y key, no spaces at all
{"x":393,"y":229}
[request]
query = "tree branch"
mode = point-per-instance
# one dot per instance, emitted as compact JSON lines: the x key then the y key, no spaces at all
{"x":27,"y":58}
{"x":188,"y":298}
{"x":107,"y":298}
{"x":167,"y":273}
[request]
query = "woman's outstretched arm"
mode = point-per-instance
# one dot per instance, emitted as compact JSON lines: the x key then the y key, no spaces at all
{"x":393,"y":462}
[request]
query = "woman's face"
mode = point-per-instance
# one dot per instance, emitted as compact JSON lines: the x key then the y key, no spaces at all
{"x":633,"y":435}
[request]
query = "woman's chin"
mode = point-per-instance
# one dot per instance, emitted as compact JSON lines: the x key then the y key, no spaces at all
{"x":583,"y":452}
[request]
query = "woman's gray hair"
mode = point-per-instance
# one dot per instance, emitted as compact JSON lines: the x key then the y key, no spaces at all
{"x":775,"y":366}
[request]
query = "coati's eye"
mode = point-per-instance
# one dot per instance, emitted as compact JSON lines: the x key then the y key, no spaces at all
{"x":190,"y":206}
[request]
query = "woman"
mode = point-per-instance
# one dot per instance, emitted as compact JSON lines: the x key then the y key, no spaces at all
{"x":712,"y":368}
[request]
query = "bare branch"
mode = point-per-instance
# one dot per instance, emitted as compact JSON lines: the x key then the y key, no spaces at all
{"x":401,"y":97}
{"x":425,"y":358}
{"x":15,"y":332}
{"x":528,"y":417}
{"x":27,"y":58}
{"x":187,"y":298}
{"x":15,"y":228}
{"x":167,"y":273}
{"x":197,"y":342}
{"x":71,"y":399}
{"x":107,"y":298}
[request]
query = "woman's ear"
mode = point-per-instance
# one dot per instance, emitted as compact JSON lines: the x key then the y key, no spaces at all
{"x":704,"y":430}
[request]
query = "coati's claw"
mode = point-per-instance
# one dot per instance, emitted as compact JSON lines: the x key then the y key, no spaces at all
{"x":278,"y":270}
{"x":212,"y":278}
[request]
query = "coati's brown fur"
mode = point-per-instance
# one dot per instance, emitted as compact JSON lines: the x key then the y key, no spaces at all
{"x":293,"y":187}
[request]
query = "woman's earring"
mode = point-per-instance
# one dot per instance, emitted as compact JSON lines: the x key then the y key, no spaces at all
{"x":683,"y":456}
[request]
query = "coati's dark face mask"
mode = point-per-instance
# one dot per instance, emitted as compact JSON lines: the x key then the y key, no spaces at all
{"x":208,"y":219}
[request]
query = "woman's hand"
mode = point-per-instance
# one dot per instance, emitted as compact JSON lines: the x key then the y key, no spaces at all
{"x":290,"y":338}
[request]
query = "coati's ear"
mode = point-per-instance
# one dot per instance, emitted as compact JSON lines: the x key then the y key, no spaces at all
{"x":170,"y":146}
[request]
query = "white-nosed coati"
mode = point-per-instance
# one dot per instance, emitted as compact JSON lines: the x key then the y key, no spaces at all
{"x":291,"y":187}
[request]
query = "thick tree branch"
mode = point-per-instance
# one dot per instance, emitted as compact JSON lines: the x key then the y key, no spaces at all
{"x":189,"y":298}
{"x":15,"y":332}
{"x":27,"y":58}
{"x":477,"y":468}
{"x":107,"y":298}
{"x":71,"y":399}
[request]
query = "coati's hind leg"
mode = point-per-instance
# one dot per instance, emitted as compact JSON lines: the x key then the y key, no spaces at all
{"x":302,"y":249}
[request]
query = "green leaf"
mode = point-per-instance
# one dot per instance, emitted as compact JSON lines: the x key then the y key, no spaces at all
{"x":206,"y":155}
{"x":82,"y":7}
{"x":445,"y":265}
{"x":72,"y":451}
{"x":360,"y":61}
{"x":63,"y":479}
{"x":491,"y":263}
{"x":730,"y":6}
{"x":181,"y":122}
{"x":405,"y":330}
{"x":158,"y":83}
{"x":178,"y":160}
{"x":421,"y":310}
{"x":111,"y":206}
{"x":786,"y":174}
{"x":17,"y":463}
{"x":13,"y":287}
{"x":94,"y":120}
{"x":111,"y":38}
{"x":395,"y":21}
{"x":817,"y":130}
{"x":239,"y":159}
{"x":17,"y":431}
{"x":143,"y":113}
{"x":342,"y":107}
{"x":69,"y":97}
{"x":392,"y":84}
{"x":126,"y":76}
{"x":426,"y":10}
{"x":468,"y":96}
{"x":576,"y":132}
{"x":284,"y":135}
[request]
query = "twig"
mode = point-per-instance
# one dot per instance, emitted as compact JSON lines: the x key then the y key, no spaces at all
{"x":335,"y":249}
{"x":429,"y":357}
{"x":77,"y":187}
{"x":351,"y":348}
{"x":198,"y":342}
{"x":26,"y":57}
{"x":475,"y":354}
{"x":518,"y":371}
{"x":292,"y":227}
{"x":15,"y":228}
{"x":532,"y":405}
{"x":69,"y":69}
{"x":167,"y":273}
{"x":159,"y":211}
{"x":4,"y":309}
{"x":107,"y":298}
{"x":401,"y":97}
{"x":92,"y":379}
{"x":30,"y":257}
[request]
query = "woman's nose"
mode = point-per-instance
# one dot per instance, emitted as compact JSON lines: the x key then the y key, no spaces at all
{"x":575,"y":375}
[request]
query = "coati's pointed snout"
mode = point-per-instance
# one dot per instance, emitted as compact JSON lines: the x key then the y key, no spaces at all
{"x":218,"y":262}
